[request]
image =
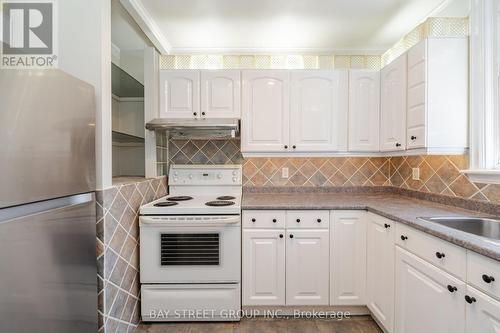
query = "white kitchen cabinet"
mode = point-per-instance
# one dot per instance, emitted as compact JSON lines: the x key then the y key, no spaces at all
{"x":427,"y":298}
{"x":179,"y":93}
{"x":437,"y":114}
{"x":348,"y":258}
{"x":263,"y":267}
{"x":220,"y":94}
{"x":380,"y":269}
{"x":364,"y":110}
{"x":319,"y":109}
{"x":307,"y":275}
{"x":265,"y":111}
{"x":482,"y":314}
{"x":393,"y":105}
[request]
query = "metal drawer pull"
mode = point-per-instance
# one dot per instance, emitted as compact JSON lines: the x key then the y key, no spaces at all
{"x":488,"y":279}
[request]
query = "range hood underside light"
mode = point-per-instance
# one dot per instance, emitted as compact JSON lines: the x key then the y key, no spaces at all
{"x":196,"y":128}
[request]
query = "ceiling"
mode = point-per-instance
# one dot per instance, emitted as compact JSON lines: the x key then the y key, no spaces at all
{"x":239,"y":26}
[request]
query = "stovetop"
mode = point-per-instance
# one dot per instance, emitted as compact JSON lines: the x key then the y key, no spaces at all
{"x":196,"y":205}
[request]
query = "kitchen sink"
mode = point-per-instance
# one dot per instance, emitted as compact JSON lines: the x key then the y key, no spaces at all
{"x":485,"y":227}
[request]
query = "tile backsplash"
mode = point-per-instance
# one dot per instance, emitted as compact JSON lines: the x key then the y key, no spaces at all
{"x":439,"y":174}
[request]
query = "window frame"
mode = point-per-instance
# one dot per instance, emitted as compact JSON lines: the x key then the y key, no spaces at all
{"x":484,"y":92}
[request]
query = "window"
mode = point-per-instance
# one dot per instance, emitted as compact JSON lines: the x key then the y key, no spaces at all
{"x":484,"y":91}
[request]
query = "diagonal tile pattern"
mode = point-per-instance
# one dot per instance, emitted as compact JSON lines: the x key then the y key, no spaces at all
{"x":204,"y":152}
{"x":118,"y":252}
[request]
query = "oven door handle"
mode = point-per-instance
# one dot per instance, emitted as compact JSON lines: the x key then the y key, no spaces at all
{"x":175,"y":221}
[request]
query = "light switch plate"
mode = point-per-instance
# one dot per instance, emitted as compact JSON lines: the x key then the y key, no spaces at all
{"x":284,"y":172}
{"x":415,"y":173}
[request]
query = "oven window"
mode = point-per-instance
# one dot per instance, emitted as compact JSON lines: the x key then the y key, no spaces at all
{"x":190,"y":249}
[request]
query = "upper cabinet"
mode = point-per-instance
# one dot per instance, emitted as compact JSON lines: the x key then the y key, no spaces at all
{"x":319,"y":108}
{"x":393,"y":106}
{"x":303,"y":111}
{"x":438,"y":95}
{"x":200,"y":94}
{"x":265,"y":111}
{"x":220,"y":94}
{"x":179,"y":94}
{"x":364,"y":110}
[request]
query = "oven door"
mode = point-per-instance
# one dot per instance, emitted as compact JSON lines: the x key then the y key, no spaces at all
{"x":190,"y":249}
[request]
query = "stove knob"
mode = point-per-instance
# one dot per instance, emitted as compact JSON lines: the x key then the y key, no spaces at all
{"x":176,"y":173}
{"x":234,"y":173}
{"x":190,"y":176}
{"x":235,"y":179}
{"x":219,"y":176}
{"x":176,"y":179}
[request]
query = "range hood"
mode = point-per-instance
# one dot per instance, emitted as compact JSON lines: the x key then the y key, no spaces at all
{"x":224,"y":128}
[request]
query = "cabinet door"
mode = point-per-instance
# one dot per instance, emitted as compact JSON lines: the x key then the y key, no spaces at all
{"x":348,"y":258}
{"x":307,"y":267}
{"x":417,"y":96}
{"x":179,"y":94}
{"x":265,"y":111}
{"x":393,"y":106}
{"x":319,"y":105}
{"x":380,"y":269}
{"x":483,"y":314}
{"x":364,"y":110}
{"x":263,"y":276}
{"x":423,"y":301}
{"x":220,"y":94}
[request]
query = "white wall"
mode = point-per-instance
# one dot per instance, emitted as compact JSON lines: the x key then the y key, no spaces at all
{"x":85,"y":52}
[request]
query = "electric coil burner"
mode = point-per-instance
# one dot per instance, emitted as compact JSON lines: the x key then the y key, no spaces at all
{"x":190,"y":246}
{"x":180,"y":198}
{"x":165,"y":204}
{"x":226,"y":197}
{"x":219,"y":203}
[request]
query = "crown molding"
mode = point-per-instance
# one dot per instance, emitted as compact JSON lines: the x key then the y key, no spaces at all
{"x":144,"y":20}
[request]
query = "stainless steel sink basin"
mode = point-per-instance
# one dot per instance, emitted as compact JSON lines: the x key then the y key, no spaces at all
{"x":485,"y":227}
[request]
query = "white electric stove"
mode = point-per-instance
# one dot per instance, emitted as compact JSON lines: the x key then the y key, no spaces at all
{"x":190,"y":246}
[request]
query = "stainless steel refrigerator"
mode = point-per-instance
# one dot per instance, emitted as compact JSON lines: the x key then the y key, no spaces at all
{"x":48,"y":272}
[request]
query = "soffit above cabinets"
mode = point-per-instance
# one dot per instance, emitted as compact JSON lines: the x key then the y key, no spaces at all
{"x":241,"y":26}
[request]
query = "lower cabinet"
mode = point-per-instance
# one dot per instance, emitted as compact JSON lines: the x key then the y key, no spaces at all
{"x":380,"y":248}
{"x":263,"y":269}
{"x":427,"y":298}
{"x":482,"y":313}
{"x":348,"y":258}
{"x":285,"y":266}
{"x":307,"y":276}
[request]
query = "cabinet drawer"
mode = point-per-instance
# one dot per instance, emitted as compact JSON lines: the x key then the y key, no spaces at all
{"x":483,"y":273}
{"x":417,"y":54}
{"x":267,"y":219}
{"x":444,"y":255}
{"x":307,"y":219}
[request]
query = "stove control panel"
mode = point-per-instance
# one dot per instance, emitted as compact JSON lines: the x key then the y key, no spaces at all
{"x":195,"y":175}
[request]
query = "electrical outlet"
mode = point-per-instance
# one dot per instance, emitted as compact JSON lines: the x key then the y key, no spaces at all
{"x":415,"y":173}
{"x":284,"y":172}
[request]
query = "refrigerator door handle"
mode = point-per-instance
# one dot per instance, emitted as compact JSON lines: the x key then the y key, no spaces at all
{"x":12,"y":213}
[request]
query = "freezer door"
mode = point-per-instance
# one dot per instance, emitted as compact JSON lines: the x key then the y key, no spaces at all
{"x":48,"y":271}
{"x":47,"y":131}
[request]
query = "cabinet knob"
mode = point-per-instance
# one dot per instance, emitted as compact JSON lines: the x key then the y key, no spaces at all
{"x":194,"y":113}
{"x":274,"y":220}
{"x":291,"y":236}
{"x":253,"y":220}
{"x":398,"y":144}
{"x":286,"y":147}
{"x":469,"y":299}
{"x":451,"y":288}
{"x":294,"y":146}
{"x":403,"y":237}
{"x":413,"y":137}
{"x":281,"y":235}
{"x":440,"y":255}
{"x":319,"y":220}
{"x":203,"y":113}
{"x":488,"y":279}
{"x":298,"y":220}
{"x":387,"y":225}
